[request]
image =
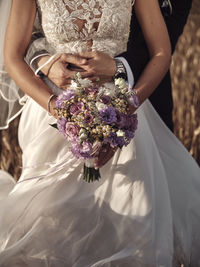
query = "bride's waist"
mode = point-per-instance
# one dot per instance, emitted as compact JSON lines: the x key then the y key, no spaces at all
{"x":109,"y":46}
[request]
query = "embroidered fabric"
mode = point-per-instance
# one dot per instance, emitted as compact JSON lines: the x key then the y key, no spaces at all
{"x":81,"y":25}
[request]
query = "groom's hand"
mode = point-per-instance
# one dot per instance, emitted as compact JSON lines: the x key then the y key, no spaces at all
{"x":93,"y":65}
{"x":63,"y":68}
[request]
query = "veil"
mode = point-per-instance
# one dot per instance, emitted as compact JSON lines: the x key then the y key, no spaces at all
{"x":10,"y":95}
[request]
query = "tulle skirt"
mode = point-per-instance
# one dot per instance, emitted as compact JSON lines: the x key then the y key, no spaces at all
{"x":142,"y":213}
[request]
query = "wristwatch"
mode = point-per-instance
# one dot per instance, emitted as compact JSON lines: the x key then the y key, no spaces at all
{"x":121,"y":71}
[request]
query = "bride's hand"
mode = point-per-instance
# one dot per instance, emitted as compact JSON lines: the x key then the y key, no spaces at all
{"x":105,"y":154}
{"x":100,"y":64}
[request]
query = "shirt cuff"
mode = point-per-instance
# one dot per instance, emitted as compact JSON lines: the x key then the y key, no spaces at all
{"x":128,"y":71}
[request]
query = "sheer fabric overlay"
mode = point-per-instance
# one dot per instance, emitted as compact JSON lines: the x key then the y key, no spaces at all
{"x":10,"y":96}
{"x":144,"y":208}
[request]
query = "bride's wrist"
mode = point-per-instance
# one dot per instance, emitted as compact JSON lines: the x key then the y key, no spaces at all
{"x":51,"y":104}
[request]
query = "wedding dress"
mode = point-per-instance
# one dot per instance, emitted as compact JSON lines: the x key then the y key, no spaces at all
{"x":145,"y":208}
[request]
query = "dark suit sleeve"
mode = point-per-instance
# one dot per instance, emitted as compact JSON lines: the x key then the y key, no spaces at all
{"x":137,"y":53}
{"x":176,"y":22}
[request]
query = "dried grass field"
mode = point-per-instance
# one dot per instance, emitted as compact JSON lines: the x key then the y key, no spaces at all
{"x":185,"y":72}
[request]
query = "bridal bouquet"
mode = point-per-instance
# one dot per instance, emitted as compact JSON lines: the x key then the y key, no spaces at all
{"x":90,"y":116}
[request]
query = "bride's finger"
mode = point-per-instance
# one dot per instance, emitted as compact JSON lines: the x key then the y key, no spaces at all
{"x":87,"y":54}
{"x":73,"y":59}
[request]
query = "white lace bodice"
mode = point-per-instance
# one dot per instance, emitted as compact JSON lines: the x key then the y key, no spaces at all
{"x":73,"y":26}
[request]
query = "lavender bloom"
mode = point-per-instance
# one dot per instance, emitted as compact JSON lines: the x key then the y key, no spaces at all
{"x":134,"y":101}
{"x":121,"y":142}
{"x":121,"y":119}
{"x":92,"y":90}
{"x":129,"y":135}
{"x":82,"y":151}
{"x":72,"y":130}
{"x":76,"y":108}
{"x":115,"y":141}
{"x":65,"y":96}
{"x":105,"y":99}
{"x":61,"y":123}
{"x":131,"y":123}
{"x":108,"y":115}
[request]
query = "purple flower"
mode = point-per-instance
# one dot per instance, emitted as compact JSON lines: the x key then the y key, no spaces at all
{"x":121,"y":142}
{"x":82,"y":151}
{"x":115,"y":141}
{"x":121,"y":119}
{"x":65,"y":96}
{"x":61,"y":123}
{"x":129,"y":135}
{"x":131,"y":123}
{"x":88,"y":117}
{"x":76,"y":108}
{"x":108,"y":115}
{"x":92,"y":90}
{"x":134,"y":101}
{"x":72,"y":130}
{"x":105,"y":99}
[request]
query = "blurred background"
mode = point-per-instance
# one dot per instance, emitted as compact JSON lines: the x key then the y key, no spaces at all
{"x":185,"y":72}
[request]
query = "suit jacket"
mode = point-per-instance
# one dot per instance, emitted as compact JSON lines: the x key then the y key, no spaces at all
{"x":175,"y":14}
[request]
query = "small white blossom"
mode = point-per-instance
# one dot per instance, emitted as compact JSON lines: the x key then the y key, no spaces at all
{"x":97,"y":120}
{"x":108,"y":89}
{"x":121,"y":83}
{"x":85,"y":83}
{"x":120,"y":133}
{"x":74,"y":85}
{"x":100,"y":105}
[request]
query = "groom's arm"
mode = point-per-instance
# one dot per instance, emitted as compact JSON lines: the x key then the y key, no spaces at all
{"x":137,"y":54}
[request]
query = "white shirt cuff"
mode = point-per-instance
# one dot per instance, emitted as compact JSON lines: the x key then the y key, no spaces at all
{"x":128,"y":71}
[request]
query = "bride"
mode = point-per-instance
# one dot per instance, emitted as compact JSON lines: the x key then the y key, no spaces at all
{"x":145,"y":209}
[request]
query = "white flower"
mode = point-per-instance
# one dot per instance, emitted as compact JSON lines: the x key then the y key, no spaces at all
{"x":100,"y":105}
{"x":120,"y":133}
{"x":121,"y":83}
{"x":108,"y":89}
{"x":97,"y":120}
{"x":73,"y":85}
{"x":85,"y":83}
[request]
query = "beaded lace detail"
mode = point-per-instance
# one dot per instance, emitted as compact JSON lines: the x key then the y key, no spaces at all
{"x":73,"y":26}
